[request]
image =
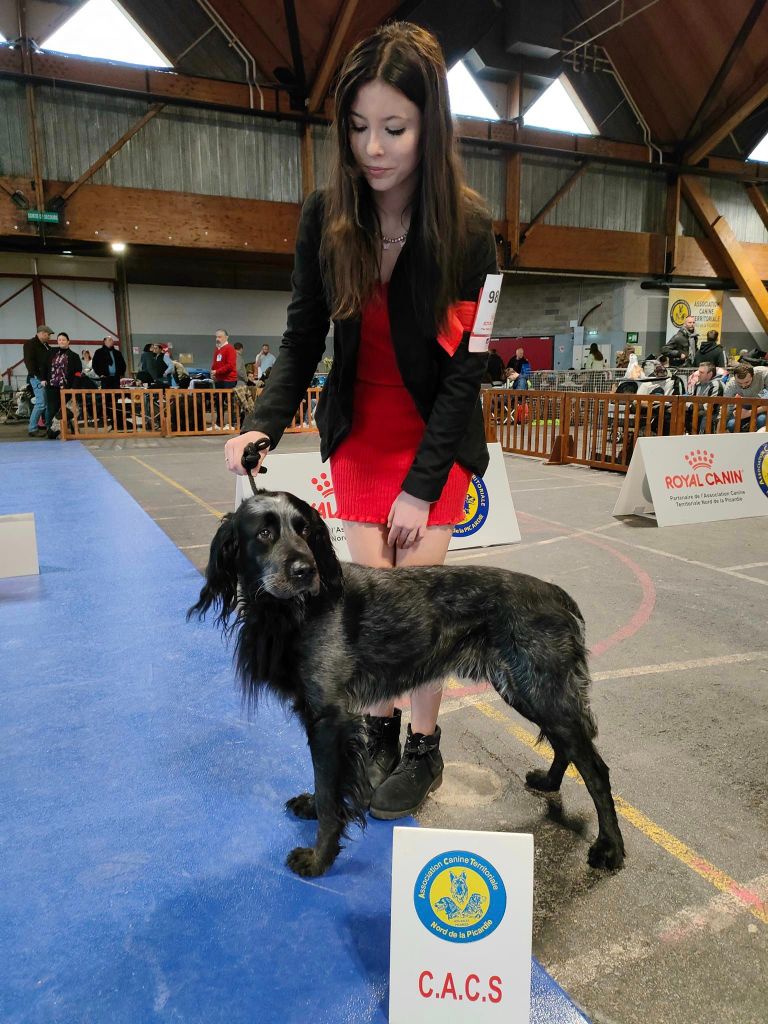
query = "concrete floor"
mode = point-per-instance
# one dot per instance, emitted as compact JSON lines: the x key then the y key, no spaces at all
{"x":677,"y":627}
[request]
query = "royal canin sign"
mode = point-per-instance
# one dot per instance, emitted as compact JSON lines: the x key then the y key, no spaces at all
{"x":700,"y":463}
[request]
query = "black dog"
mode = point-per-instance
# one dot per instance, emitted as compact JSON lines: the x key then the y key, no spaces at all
{"x":333,"y":640}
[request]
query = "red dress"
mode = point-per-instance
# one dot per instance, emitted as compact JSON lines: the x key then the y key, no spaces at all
{"x":369,"y":466}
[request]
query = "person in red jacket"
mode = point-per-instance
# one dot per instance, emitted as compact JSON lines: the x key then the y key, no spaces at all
{"x":224,"y":365}
{"x":224,"y":374}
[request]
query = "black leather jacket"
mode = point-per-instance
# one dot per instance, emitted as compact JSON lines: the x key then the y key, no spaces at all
{"x":445,"y":389}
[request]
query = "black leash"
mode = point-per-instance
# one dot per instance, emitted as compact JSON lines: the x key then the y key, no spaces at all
{"x":251,"y":457}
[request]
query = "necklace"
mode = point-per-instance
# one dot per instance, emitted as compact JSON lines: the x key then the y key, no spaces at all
{"x":388,"y":242}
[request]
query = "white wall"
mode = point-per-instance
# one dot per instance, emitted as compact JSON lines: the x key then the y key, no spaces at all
{"x":195,"y":311}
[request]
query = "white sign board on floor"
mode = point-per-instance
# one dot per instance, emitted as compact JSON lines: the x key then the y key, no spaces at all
{"x":18,"y":545}
{"x":489,"y":513}
{"x":697,"y":478}
{"x":462,"y":913}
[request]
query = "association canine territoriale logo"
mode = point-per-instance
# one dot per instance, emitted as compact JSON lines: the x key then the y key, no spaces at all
{"x":761,"y":468}
{"x":459,"y":897}
{"x":700,"y":462}
{"x":475,"y":509}
{"x":680,"y":312}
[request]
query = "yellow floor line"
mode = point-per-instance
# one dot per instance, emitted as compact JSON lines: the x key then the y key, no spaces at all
{"x":173,"y":483}
{"x":674,"y":846}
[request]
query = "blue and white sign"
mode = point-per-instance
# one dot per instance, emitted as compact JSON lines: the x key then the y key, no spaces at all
{"x":462,"y":913}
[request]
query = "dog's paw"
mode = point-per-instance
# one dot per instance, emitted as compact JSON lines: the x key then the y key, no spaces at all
{"x":606,"y":854}
{"x":304,"y":861}
{"x":303,"y":806}
{"x":540,"y":780}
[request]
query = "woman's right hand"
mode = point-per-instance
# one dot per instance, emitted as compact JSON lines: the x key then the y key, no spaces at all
{"x":235,"y":446}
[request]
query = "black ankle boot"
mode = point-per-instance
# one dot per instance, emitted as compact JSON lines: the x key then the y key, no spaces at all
{"x":420,"y":772}
{"x":383,"y":746}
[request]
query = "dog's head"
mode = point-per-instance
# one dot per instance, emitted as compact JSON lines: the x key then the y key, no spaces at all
{"x":274,"y":544}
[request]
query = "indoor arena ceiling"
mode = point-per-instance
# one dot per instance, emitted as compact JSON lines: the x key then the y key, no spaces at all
{"x":682,"y":64}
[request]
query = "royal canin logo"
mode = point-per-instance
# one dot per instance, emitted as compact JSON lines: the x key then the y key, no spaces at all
{"x":700,"y":462}
{"x":324,"y":487}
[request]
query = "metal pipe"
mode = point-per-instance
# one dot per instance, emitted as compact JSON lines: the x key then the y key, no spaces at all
{"x":622,"y":21}
{"x":647,"y":139}
{"x":247,"y":57}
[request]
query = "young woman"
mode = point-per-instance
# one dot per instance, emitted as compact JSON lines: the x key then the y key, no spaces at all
{"x":595,"y":359}
{"x":395,"y":252}
{"x":63,"y":367}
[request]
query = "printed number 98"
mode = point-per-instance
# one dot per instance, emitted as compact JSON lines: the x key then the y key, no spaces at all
{"x":493,"y":296}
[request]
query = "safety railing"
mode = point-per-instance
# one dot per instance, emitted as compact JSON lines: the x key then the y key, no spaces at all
{"x":588,"y":380}
{"x":201,"y":411}
{"x":170,"y":412}
{"x":601,"y":430}
{"x":304,"y":420}
{"x":89,"y":413}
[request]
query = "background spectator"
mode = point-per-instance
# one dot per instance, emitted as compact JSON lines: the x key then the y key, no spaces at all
{"x":522,"y":369}
{"x":108,"y":363}
{"x":595,"y":359}
{"x":87,"y":361}
{"x":681,"y":347}
{"x":224,"y":363}
{"x":62,"y":367}
{"x":710,"y":351}
{"x":242,"y":374}
{"x":149,"y":364}
{"x":35,"y":360}
{"x":708,"y":385}
{"x":748,"y":382}
{"x":495,"y":367}
{"x":264,"y":361}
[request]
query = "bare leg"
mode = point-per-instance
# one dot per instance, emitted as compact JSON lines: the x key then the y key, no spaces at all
{"x":430,"y":550}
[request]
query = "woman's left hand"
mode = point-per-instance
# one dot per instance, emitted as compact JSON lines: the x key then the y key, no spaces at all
{"x":407,"y":520}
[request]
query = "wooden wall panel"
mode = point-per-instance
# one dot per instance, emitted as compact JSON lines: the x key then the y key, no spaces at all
{"x":105,"y":213}
{"x":588,"y":249}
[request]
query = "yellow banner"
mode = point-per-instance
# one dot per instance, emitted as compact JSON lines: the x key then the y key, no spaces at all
{"x":705,"y":305}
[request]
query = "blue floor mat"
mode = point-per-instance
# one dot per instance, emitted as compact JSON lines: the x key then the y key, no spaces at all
{"x":142,"y":835}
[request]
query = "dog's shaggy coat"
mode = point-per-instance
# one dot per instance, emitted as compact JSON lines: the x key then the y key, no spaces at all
{"x":333,"y":639}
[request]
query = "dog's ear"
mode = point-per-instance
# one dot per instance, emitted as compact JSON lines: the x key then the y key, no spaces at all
{"x":319,"y":540}
{"x":220,"y":590}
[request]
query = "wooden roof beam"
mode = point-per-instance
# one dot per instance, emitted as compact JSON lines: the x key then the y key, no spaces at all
{"x":758,"y":201}
{"x":731,"y":118}
{"x":114,"y":148}
{"x":717,"y":82}
{"x":719,"y":232}
{"x":331,"y":59}
{"x":564,"y":189}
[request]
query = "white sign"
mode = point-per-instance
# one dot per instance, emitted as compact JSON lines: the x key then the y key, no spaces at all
{"x":462,"y":913}
{"x":480,"y":335}
{"x":697,"y":478}
{"x":489,"y":513}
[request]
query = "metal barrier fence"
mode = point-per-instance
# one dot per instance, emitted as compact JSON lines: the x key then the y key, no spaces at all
{"x":587,"y":380}
{"x":156,"y":412}
{"x":601,"y":430}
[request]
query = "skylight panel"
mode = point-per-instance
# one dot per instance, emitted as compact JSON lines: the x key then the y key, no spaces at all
{"x":103,"y":30}
{"x":760,"y":152}
{"x":559,"y":109}
{"x":467,"y":98}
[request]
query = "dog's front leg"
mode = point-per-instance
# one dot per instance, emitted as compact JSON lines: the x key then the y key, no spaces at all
{"x":337,"y":744}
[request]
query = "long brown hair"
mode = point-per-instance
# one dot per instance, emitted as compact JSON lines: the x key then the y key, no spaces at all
{"x":409,"y":59}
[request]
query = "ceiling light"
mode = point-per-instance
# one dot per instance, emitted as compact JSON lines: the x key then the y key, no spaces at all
{"x":117,"y":246}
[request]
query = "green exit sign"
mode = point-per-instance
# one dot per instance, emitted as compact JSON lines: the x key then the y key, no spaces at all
{"x":43,"y":216}
{"x":632,"y":337}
